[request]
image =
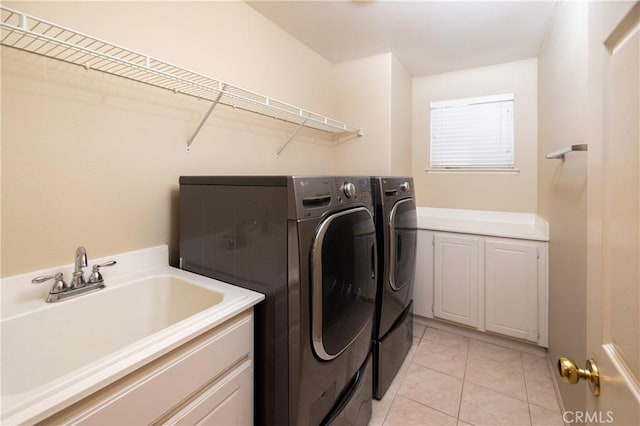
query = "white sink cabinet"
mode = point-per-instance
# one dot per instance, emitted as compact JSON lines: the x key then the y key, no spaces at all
{"x":208,"y":380}
{"x":485,"y":282}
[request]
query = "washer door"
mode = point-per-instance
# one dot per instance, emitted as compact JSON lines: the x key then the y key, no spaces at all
{"x":343,"y":280}
{"x":402,"y":243}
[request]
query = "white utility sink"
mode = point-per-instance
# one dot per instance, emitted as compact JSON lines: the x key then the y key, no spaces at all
{"x":43,"y":345}
{"x":55,"y":353}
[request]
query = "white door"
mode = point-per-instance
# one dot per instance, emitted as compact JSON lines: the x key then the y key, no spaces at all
{"x":456,"y":278}
{"x":613,"y":313}
{"x":511,"y":288}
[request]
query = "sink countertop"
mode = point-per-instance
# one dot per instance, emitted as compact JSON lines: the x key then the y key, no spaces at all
{"x":526,"y":226}
{"x":21,"y":297}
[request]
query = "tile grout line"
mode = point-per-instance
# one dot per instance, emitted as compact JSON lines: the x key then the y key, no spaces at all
{"x":386,"y":414}
{"x":429,"y":407}
{"x":464,"y":375}
{"x":464,"y":381}
{"x":457,"y":418}
{"x":526,"y":389}
{"x":521,"y":362}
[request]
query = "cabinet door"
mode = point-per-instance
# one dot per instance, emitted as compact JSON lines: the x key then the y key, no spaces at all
{"x":456,"y":278}
{"x":511,"y":286}
{"x":228,"y":402}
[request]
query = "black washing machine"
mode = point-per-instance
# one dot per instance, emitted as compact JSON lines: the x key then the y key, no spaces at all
{"x":396,"y":227}
{"x":309,"y":245}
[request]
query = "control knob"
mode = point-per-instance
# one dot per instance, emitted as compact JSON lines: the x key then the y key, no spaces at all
{"x":404,"y":187}
{"x":349,"y":189}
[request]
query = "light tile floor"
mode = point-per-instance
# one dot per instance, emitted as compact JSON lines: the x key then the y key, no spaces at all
{"x":449,"y":379}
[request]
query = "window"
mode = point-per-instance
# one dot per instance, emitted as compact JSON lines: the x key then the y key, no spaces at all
{"x":472,"y":133}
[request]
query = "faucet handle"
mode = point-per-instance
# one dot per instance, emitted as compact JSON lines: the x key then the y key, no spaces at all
{"x":58,"y":286}
{"x":96,"y":276}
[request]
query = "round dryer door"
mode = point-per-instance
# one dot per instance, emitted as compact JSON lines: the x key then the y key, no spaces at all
{"x":402,"y":243}
{"x":343,"y":280}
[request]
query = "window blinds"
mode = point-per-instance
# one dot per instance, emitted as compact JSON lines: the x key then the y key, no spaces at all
{"x":472,"y":132}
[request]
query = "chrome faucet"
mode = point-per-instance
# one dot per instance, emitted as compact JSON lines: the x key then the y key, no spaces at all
{"x":77,"y":279}
{"x":62,"y":291}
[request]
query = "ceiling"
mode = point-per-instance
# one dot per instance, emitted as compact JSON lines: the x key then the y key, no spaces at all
{"x":428,"y":37}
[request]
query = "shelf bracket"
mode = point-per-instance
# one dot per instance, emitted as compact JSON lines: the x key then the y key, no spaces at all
{"x":293,"y":135}
{"x":24,"y":22}
{"x":559,"y":154}
{"x":205,"y":118}
{"x":343,"y":139}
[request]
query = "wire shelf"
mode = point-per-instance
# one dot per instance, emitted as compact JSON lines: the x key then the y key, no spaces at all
{"x":34,"y":35}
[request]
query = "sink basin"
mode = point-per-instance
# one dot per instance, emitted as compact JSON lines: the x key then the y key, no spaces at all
{"x":44,"y":345}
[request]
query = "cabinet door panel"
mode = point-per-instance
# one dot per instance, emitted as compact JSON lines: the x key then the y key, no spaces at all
{"x":225,"y":403}
{"x":456,"y":278}
{"x":511,"y":288}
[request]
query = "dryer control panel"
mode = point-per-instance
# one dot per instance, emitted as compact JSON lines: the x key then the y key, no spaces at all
{"x":397,"y":187}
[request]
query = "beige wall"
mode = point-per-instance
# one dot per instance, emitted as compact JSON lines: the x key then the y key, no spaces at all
{"x":364,"y":98}
{"x":375,"y":92}
{"x":90,"y":159}
{"x":562,"y":82}
{"x":400,"y":115}
{"x":482,"y":191}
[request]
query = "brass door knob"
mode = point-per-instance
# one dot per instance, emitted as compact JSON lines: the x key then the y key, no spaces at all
{"x":570,"y":373}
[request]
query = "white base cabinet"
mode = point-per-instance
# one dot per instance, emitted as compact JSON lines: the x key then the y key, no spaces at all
{"x":206,"y":381}
{"x":498,"y":285}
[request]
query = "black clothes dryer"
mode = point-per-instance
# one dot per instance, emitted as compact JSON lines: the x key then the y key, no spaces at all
{"x":396,"y":227}
{"x":309,"y":245}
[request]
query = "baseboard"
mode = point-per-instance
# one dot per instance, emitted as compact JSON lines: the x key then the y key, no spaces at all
{"x":506,"y":342}
{"x":551,"y":364}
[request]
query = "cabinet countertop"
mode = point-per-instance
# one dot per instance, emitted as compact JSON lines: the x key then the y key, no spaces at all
{"x":526,"y":226}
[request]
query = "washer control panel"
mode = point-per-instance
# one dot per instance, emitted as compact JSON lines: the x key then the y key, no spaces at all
{"x":348,"y":189}
{"x":312,"y":196}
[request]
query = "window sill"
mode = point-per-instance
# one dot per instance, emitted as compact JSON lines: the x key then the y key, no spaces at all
{"x":471,"y":170}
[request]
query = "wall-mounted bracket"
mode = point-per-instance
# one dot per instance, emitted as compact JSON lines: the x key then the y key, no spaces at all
{"x":293,"y":135}
{"x":350,"y":136}
{"x":205,"y":118}
{"x":559,"y":154}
